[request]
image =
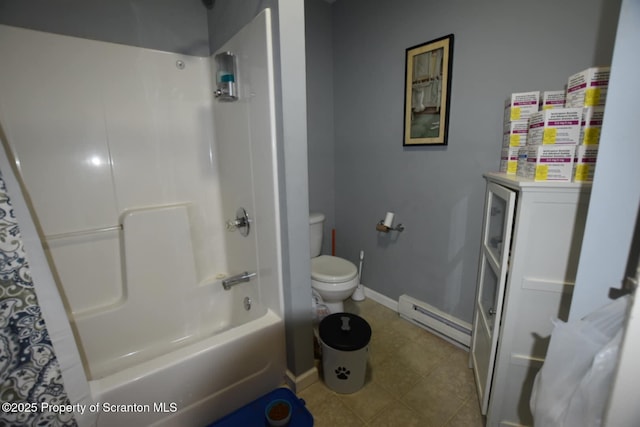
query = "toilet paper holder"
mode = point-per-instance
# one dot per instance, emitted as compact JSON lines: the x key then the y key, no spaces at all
{"x":385,"y":229}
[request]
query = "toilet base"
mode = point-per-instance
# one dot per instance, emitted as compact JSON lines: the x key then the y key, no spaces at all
{"x":335,"y":307}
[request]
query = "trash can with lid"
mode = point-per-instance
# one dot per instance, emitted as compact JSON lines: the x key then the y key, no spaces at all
{"x":345,"y":348}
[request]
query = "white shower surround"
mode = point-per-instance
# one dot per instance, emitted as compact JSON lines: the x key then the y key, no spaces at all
{"x":133,"y":144}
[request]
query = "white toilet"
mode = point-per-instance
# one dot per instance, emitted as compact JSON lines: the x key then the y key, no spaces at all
{"x":333,"y":278}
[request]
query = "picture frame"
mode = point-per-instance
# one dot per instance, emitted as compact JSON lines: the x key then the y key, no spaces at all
{"x":428,"y":92}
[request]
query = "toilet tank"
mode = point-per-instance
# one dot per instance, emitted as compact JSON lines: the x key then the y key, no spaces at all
{"x":316,"y":222}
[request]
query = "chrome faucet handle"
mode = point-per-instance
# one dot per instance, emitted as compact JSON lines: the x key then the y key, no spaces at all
{"x":242,"y":222}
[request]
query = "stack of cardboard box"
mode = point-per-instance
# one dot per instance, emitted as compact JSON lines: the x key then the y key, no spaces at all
{"x":554,"y":137}
{"x":588,"y":89}
{"x":517,"y":110}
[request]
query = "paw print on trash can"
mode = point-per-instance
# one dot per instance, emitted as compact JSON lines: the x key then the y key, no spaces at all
{"x":342,"y":373}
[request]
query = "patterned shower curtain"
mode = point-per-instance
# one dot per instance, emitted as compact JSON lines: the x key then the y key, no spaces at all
{"x":31,"y":388}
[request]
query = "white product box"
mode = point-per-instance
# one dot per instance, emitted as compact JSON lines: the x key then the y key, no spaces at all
{"x":552,"y":99}
{"x":515,"y":133}
{"x":521,"y":170}
{"x":509,"y":160}
{"x":550,"y":163}
{"x":558,"y":126}
{"x":521,"y":105}
{"x":584,"y":163}
{"x":591,"y":125}
{"x":588,"y":88}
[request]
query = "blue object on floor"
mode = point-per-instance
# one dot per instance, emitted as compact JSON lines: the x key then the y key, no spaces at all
{"x":252,"y":414}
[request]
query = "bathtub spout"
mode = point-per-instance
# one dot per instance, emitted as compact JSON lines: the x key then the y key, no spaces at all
{"x":238,"y":278}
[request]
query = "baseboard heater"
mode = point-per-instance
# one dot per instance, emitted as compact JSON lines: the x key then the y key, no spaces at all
{"x":442,"y":324}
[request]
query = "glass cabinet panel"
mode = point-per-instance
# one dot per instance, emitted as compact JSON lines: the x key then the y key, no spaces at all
{"x":489,"y":296}
{"x":498,"y":216}
{"x":495,"y":235}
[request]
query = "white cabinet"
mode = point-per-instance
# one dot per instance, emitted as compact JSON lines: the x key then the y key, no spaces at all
{"x":531,"y":241}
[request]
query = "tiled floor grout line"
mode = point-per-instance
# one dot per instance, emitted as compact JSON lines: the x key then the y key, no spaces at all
{"x":457,"y":411}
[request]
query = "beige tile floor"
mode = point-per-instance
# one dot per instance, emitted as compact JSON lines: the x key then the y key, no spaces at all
{"x":414,"y":378}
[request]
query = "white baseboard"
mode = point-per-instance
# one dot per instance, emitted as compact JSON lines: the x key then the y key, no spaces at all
{"x":381,"y":299}
{"x":300,"y":382}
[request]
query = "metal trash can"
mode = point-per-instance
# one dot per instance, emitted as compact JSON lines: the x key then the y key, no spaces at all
{"x":345,"y":348}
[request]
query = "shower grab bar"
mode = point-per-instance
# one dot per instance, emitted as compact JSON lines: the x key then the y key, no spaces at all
{"x":80,"y":233}
{"x":238,"y":278}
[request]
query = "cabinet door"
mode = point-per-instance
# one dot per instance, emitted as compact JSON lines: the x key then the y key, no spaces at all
{"x":492,"y":277}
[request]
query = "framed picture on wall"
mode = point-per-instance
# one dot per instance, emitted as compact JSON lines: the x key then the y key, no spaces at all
{"x":427,"y":92}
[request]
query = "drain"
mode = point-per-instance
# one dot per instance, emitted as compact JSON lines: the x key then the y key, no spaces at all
{"x":247,"y":303}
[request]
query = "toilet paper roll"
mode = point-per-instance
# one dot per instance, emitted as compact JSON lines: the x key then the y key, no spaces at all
{"x":388,"y":220}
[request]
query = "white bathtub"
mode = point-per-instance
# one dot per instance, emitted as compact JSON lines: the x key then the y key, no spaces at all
{"x":139,"y":261}
{"x":198,"y":383}
{"x":175,"y":352}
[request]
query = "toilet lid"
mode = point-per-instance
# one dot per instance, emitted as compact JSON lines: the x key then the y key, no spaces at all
{"x":331,"y":269}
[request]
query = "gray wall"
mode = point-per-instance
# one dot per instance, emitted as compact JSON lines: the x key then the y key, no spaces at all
{"x":295,"y":187}
{"x":320,"y":135}
{"x":227,"y":17}
{"x":437,"y":192}
{"x":615,"y":197}
{"x":178,"y":26}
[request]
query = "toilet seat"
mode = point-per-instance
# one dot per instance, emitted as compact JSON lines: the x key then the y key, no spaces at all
{"x":331,"y":269}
